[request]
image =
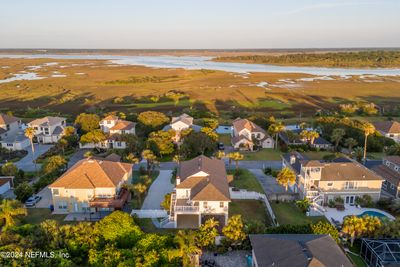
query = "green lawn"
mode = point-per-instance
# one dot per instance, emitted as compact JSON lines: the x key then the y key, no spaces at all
{"x":251,"y":210}
{"x":289,"y":213}
{"x":246,"y":180}
{"x":263,"y":154}
{"x":357,"y":260}
{"x":317,"y":155}
{"x":375,"y":155}
{"x":225,"y":138}
{"x":36,"y":216}
{"x":147,"y":226}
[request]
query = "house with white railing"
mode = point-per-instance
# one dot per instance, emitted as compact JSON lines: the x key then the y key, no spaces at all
{"x":201,"y":192}
{"x":321,"y":182}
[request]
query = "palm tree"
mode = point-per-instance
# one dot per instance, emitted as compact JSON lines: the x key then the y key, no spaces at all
{"x":138,"y":190}
{"x":286,"y":177}
{"x":368,"y":129}
{"x":354,"y":227}
{"x":275,"y":129}
{"x":151,"y":159}
{"x":220,"y":154}
{"x":236,"y":156}
{"x":30,"y":133}
{"x":177,"y":159}
{"x":10,"y":209}
{"x":358,"y":152}
{"x":337,"y":136}
{"x":350,"y":143}
{"x":132,"y":158}
{"x":304,"y":135}
{"x":312,"y":135}
{"x":302,"y":125}
{"x":372,"y":223}
{"x":187,"y":248}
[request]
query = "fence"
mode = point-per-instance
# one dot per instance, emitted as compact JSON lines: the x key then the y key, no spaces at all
{"x":244,"y":194}
{"x":150,"y":213}
{"x":283,"y":196}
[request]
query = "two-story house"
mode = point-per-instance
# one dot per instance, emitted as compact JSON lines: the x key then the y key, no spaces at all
{"x":321,"y":181}
{"x":114,"y":128}
{"x":390,"y":171}
{"x":11,"y":134}
{"x":390,"y":129}
{"x":201,"y":192}
{"x":246,"y":135}
{"x":181,"y":123}
{"x":48,"y":130}
{"x":91,"y":185}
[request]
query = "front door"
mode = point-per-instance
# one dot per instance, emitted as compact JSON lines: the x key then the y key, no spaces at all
{"x":350,"y":200}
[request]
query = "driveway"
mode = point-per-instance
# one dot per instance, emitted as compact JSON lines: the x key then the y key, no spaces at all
{"x":26,"y":163}
{"x":77,"y":156}
{"x":158,"y":189}
{"x":268,"y":182}
{"x":46,"y":200}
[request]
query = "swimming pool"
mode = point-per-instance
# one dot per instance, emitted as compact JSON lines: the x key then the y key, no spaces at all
{"x":373,"y":214}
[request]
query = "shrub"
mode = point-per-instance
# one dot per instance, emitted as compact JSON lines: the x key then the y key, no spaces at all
{"x":365,"y":201}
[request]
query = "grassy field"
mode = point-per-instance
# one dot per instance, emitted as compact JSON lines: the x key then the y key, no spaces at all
{"x":263,"y":154}
{"x":147,"y":226}
{"x":247,"y":181}
{"x":225,"y":138}
{"x":95,"y":84}
{"x":251,"y":210}
{"x":36,"y":216}
{"x":317,"y":155}
{"x":289,"y":213}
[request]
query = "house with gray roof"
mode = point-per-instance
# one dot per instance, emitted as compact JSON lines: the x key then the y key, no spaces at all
{"x":390,"y":129}
{"x":49,"y":129}
{"x":12,"y":136}
{"x":389,"y":170}
{"x":201,"y":192}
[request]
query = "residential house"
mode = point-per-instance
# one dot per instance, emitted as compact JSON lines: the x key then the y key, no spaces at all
{"x":390,"y":129}
{"x":6,"y":183}
{"x":11,"y":134}
{"x":321,"y":181}
{"x":91,"y":185}
{"x":114,"y":128}
{"x":297,"y":250}
{"x":201,"y":192}
{"x":291,"y":137}
{"x":181,"y":123}
{"x":247,"y":135}
{"x":49,"y":129}
{"x":390,"y":171}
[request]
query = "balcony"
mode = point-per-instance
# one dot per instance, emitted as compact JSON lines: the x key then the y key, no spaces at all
{"x":116,"y":202}
{"x":186,"y":209}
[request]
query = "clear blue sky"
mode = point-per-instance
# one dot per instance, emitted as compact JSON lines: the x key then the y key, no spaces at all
{"x":199,"y":23}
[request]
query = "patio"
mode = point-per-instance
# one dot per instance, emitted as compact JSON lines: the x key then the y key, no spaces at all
{"x":338,"y":215}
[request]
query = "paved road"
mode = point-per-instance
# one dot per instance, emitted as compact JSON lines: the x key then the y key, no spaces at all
{"x":77,"y":156}
{"x":268,"y":183}
{"x":158,"y":189}
{"x":46,"y":200}
{"x":26,"y":163}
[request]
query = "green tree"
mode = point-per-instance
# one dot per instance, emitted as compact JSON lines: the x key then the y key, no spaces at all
{"x":132,"y":158}
{"x":153,"y":119}
{"x":368,"y":129}
{"x":234,"y":230}
{"x":96,"y":136}
{"x":286,"y":177}
{"x":388,"y":229}
{"x":207,"y":233}
{"x":87,"y":122}
{"x":210,"y":123}
{"x":236,"y":157}
{"x":138,"y":190}
{"x":371,"y":223}
{"x":210,"y":133}
{"x":54,"y":165}
{"x":303,"y":204}
{"x":9,"y":169}
{"x":30,"y":134}
{"x":151,"y":159}
{"x":275,"y":129}
{"x":68,"y":131}
{"x":350,"y":143}
{"x":337,"y":136}
{"x":220,"y":154}
{"x":162,"y":141}
{"x":9,"y":209}
{"x":166,"y":203}
{"x":354,"y":227}
{"x":187,"y":247}
{"x":62,"y":144}
{"x":196,"y":144}
{"x":23,"y":191}
{"x":324,"y":228}
{"x":359,"y":151}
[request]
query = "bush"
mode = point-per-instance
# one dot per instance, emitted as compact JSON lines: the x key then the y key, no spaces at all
{"x":23,"y":191}
{"x":365,"y":201}
{"x":268,"y":171}
{"x":331,"y":203}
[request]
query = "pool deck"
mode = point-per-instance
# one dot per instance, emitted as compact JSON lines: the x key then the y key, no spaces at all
{"x":351,"y":210}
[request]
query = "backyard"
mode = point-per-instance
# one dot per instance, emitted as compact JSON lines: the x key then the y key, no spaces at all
{"x":289,"y":213}
{"x":263,"y":154}
{"x":245,"y":180}
{"x":251,"y":211}
{"x":37,"y":215}
{"x":225,"y":139}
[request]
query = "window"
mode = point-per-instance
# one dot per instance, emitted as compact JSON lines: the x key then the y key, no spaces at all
{"x":85,"y":206}
{"x":221,"y":204}
{"x":56,"y":192}
{"x":9,"y":145}
{"x":62,"y":205}
{"x":8,"y":127}
{"x":392,"y":186}
{"x":351,"y":185}
{"x":330,"y":184}
{"x":205,"y":204}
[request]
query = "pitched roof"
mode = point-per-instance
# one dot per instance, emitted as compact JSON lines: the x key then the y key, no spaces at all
{"x":7,"y":119}
{"x":238,"y":138}
{"x":47,"y":121}
{"x":110,"y":118}
{"x":393,"y":159}
{"x":188,"y":120}
{"x":113,"y":157}
{"x":213,"y":186}
{"x":388,"y":126}
{"x":240,"y":124}
{"x":93,"y":173}
{"x":388,"y":174}
{"x":123,"y":125}
{"x":297,"y":250}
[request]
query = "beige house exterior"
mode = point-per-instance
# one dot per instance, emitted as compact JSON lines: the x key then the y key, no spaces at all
{"x":201,"y":192}
{"x":48,"y":130}
{"x":321,"y":182}
{"x":245,"y":133}
{"x":91,"y":185}
{"x":390,"y":129}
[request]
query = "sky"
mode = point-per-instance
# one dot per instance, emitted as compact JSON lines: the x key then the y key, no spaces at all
{"x":199,"y":24}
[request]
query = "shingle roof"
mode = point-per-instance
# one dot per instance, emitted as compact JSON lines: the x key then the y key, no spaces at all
{"x":183,"y":118}
{"x":393,"y":159}
{"x":110,"y":118}
{"x":388,"y":126}
{"x":388,"y":174}
{"x":297,"y":250}
{"x":240,"y":124}
{"x":47,"y":121}
{"x":123,"y":125}
{"x":321,"y":141}
{"x":93,"y":173}
{"x":7,"y":119}
{"x":212,"y":187}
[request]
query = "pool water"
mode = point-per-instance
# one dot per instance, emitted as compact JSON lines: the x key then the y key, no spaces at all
{"x":373,"y":214}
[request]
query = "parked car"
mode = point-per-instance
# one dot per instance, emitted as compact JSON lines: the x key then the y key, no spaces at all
{"x":32,"y":201}
{"x":221,"y":146}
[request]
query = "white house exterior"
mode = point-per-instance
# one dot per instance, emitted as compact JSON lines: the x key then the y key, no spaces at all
{"x":48,"y":130}
{"x":11,"y":134}
{"x":390,"y":129}
{"x":201,"y":192}
{"x":246,"y":132}
{"x":181,"y":123}
{"x":6,"y":183}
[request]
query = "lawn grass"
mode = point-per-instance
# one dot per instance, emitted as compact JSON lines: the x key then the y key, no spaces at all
{"x":251,"y":210}
{"x":147,"y":226}
{"x":225,"y":138}
{"x":37,"y":215}
{"x":376,"y":155}
{"x":263,"y":154}
{"x":289,"y":213}
{"x":246,"y":180}
{"x":317,"y":155}
{"x":357,"y":260}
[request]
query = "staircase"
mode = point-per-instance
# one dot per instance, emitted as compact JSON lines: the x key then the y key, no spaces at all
{"x":172,"y":207}
{"x":316,"y":208}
